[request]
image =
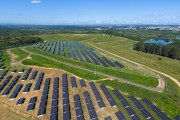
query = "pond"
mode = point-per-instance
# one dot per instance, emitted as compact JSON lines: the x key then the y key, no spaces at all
{"x":162,"y":42}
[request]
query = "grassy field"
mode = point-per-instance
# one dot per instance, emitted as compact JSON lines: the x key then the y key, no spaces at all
{"x":122,"y":47}
{"x":7,"y":59}
{"x":43,"y":62}
{"x":19,"y":54}
{"x":125,"y":73}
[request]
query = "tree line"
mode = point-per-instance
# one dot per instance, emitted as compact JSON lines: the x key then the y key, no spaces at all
{"x":170,"y":51}
{"x":16,"y":37}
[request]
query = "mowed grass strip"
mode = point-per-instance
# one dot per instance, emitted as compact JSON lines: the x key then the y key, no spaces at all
{"x":125,"y":73}
{"x":167,"y":102}
{"x":19,"y":54}
{"x":43,"y":62}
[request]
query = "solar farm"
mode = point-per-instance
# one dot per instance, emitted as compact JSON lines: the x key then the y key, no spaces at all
{"x":78,"y":52}
{"x":55,"y":95}
{"x":2,"y":66}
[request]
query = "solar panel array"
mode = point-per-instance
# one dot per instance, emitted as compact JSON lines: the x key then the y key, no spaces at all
{"x":73,"y":82}
{"x":108,"y":96}
{"x":82,"y":82}
{"x":126,"y":105}
{"x":93,"y":106}
{"x":145,"y":113}
{"x":77,"y":51}
{"x":5,"y":82}
{"x":11,"y":85}
{"x":16,"y":92}
{"x":78,"y":107}
{"x":119,"y":115}
{"x":21,"y":101}
{"x":27,"y":87}
{"x":43,"y":103}
{"x":156,"y":110}
{"x":55,"y":100}
{"x":3,"y":74}
{"x":32,"y":103}
{"x":65,"y":97}
{"x":26,"y":75}
{"x":97,"y":95}
{"x":33,"y":76}
{"x":2,"y":65}
{"x":90,"y":106}
{"x":39,"y":81}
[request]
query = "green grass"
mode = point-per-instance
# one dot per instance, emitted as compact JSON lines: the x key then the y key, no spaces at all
{"x":7,"y":59}
{"x":19,"y":54}
{"x":165,"y":101}
{"x":65,"y":37}
{"x":125,"y":73}
{"x":43,"y":62}
{"x":123,"y":47}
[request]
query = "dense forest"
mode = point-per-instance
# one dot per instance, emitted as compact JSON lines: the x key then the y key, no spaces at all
{"x":170,"y":51}
{"x":16,"y":37}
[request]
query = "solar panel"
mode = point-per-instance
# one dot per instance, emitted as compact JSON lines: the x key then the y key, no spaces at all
{"x":20,"y":101}
{"x":31,"y":107}
{"x":108,"y":96}
{"x":119,"y":115}
{"x":73,"y":82}
{"x":97,"y":95}
{"x":145,"y":113}
{"x":119,"y":64}
{"x":33,"y":76}
{"x":90,"y":106}
{"x":82,"y":82}
{"x":109,"y":62}
{"x":33,"y":100}
{"x":41,"y":111}
{"x":108,"y":118}
{"x":27,"y":88}
{"x":54,"y":116}
{"x":156,"y":110}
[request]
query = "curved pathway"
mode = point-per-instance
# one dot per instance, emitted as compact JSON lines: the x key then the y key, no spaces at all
{"x":159,"y":89}
{"x":141,"y":65}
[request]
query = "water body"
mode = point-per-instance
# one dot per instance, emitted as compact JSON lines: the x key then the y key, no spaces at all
{"x":162,"y":42}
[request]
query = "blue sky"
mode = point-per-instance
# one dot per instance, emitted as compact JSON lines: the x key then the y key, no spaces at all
{"x":90,"y":12}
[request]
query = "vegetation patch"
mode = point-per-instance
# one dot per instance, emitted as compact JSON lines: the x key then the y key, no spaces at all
{"x":43,"y":62}
{"x":19,"y":54}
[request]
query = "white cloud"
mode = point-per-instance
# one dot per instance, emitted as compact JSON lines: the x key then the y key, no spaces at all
{"x":35,"y":1}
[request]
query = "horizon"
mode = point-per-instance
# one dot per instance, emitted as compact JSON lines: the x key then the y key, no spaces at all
{"x":80,"y":12}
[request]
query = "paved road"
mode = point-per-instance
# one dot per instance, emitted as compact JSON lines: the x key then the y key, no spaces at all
{"x":159,"y":89}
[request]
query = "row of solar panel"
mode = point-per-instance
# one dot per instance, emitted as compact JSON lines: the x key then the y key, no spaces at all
{"x":126,"y":105}
{"x":2,"y":66}
{"x":26,"y":75}
{"x":108,"y":96}
{"x":55,"y":101}
{"x":145,"y":113}
{"x":39,"y":81}
{"x":156,"y":109}
{"x":78,"y":107}
{"x":65,"y":97}
{"x":32,"y":103}
{"x":3,"y":74}
{"x":97,"y":95}
{"x":16,"y":92}
{"x":43,"y":103}
{"x":5,"y":82}
{"x":11,"y":85}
